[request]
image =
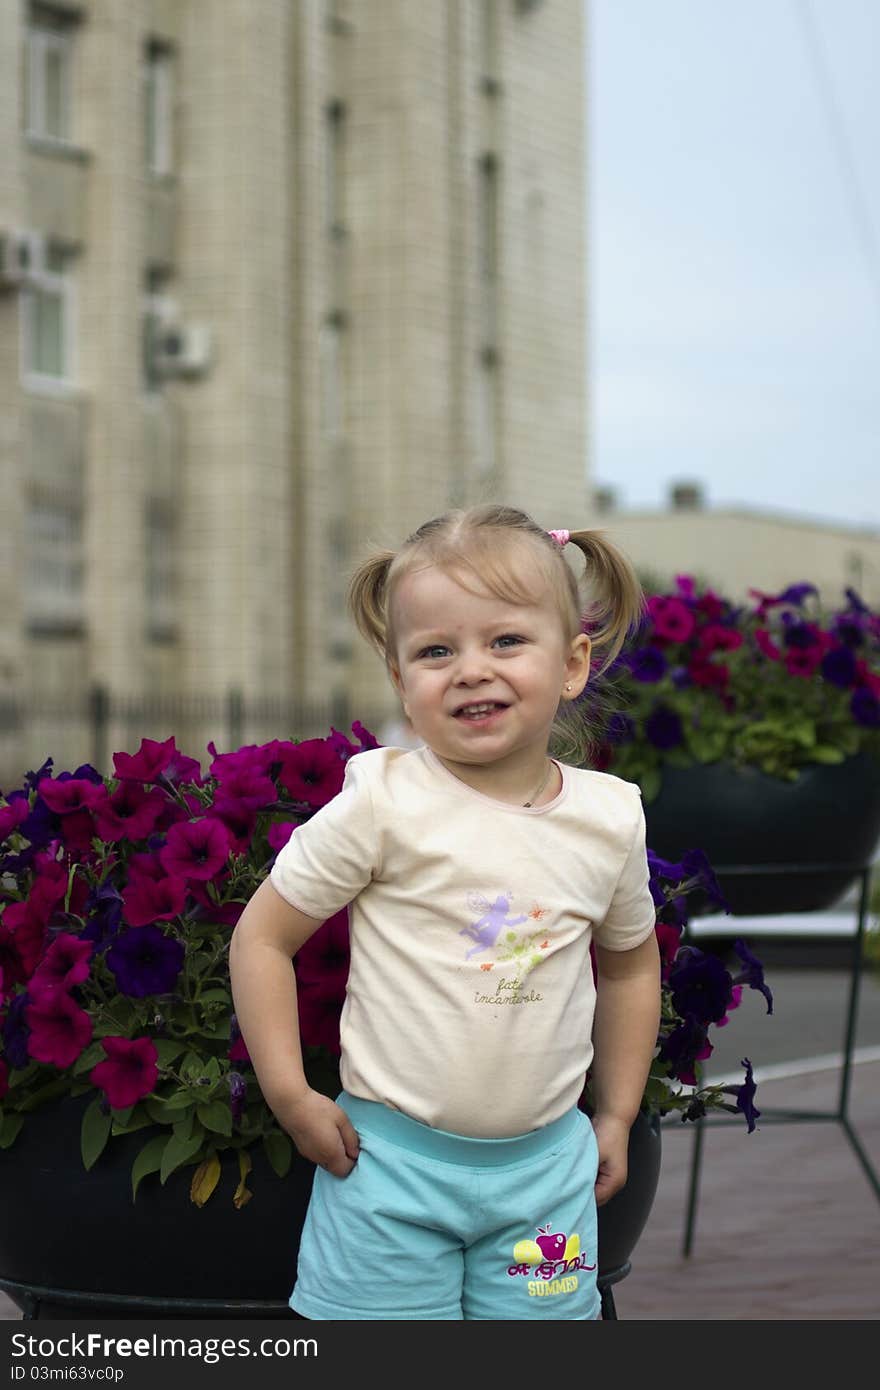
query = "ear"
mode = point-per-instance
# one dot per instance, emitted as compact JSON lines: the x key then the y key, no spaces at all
{"x":577,"y":666}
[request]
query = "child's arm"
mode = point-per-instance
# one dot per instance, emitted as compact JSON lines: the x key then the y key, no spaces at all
{"x":624,"y":1038}
{"x":269,"y":933}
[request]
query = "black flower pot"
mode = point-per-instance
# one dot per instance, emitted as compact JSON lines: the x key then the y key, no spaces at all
{"x":78,"y":1237}
{"x":624,"y":1217}
{"x":739,"y":816}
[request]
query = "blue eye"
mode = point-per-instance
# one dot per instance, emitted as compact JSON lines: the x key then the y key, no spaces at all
{"x":432,"y":652}
{"x":509,"y":637}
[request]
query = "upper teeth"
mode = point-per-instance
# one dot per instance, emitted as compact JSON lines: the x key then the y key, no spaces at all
{"x":476,"y":709}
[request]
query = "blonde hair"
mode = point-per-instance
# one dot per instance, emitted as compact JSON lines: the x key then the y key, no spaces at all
{"x":487,"y":543}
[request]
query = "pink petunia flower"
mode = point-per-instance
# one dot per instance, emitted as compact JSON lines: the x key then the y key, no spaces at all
{"x":130,"y":1072}
{"x":673,"y":621}
{"x":65,"y":964}
{"x":26,"y":924}
{"x":279,"y":833}
{"x":311,"y":771}
{"x":714,"y":637}
{"x":130,"y":813}
{"x":803,"y":661}
{"x":154,"y":760}
{"x":766,"y":644}
{"x":11,"y":816}
{"x":146,"y":900}
{"x":60,"y":1030}
{"x":197,"y":849}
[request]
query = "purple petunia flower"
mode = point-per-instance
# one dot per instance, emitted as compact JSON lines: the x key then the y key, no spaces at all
{"x":865,"y":708}
{"x":237,"y":1095}
{"x":700,"y":986}
{"x":753,"y":974}
{"x":745,"y":1095}
{"x":16,"y":1031}
{"x":648,"y":665}
{"x":145,"y":961}
{"x":839,"y":666}
{"x":664,"y":727}
{"x":683,"y":1047}
{"x":103,"y":913}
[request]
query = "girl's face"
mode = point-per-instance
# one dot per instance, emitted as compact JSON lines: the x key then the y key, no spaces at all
{"x":481,"y":678}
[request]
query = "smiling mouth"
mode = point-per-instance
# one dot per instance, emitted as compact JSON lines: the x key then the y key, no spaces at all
{"x":478,"y":711}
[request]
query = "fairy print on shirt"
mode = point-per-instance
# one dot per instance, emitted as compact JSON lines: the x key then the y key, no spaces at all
{"x":492,"y":920}
{"x":517,"y":953}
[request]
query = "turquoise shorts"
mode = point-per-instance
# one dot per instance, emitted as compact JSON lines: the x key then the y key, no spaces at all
{"x":430,"y":1225}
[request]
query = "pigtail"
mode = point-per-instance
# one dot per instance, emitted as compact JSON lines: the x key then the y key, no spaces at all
{"x":616,"y":598}
{"x":367,"y":599}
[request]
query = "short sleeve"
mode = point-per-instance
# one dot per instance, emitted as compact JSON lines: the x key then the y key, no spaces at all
{"x":330,"y":859}
{"x":631,"y":914}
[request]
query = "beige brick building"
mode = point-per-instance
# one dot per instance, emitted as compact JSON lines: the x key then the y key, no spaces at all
{"x":736,"y":549}
{"x":280,"y":278}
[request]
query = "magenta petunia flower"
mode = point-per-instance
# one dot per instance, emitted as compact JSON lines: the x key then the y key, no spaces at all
{"x":148,"y":900}
{"x":60,"y":1029}
{"x":311,"y":771}
{"x":26,"y":924}
{"x":11,"y":816}
{"x":803,"y":661}
{"x":65,"y":964}
{"x":130,"y":813}
{"x":66,"y":795}
{"x":279,"y":833}
{"x":245,"y":784}
{"x":155,"y":760}
{"x":673,"y":621}
{"x":240,"y":820}
{"x":321,"y":966}
{"x":197,"y":849}
{"x":766,"y":644}
{"x":130,"y":1072}
{"x":715,"y":637}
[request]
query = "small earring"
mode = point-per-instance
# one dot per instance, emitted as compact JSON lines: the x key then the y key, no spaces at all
{"x":568,"y":687}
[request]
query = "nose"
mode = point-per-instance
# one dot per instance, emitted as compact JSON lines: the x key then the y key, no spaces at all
{"x":472,"y":667}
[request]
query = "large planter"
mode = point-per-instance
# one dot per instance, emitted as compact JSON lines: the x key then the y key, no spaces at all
{"x":79,"y":1235}
{"x":622,"y":1220}
{"x":74,"y":1245}
{"x":739,"y":816}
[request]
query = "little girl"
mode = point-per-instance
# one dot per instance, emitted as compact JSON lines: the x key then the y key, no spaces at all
{"x":457,"y":1177}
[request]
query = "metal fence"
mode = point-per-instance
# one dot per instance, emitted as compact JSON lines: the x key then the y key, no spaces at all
{"x":92,"y":727}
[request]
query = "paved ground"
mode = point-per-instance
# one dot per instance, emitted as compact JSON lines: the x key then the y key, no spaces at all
{"x":788,"y":1226}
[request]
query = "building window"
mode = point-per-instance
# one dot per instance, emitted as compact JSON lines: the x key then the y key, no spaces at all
{"x":49,"y":64}
{"x":157,"y":311}
{"x":158,"y":108}
{"x":55,"y":567}
{"x":332,"y":379}
{"x":487,"y":46}
{"x":160,"y":570}
{"x":487,"y":250}
{"x":334,"y":170}
{"x":47,"y":313}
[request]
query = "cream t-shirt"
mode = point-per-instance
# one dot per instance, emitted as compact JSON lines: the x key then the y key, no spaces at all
{"x":470,"y":996}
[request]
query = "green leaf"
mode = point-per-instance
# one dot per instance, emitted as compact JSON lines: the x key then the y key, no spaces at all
{"x":89,"y":1059}
{"x":216,"y":1116}
{"x":650,"y":783}
{"x":167,"y":1051}
{"x":177,"y":1152}
{"x":823,"y":753}
{"x":279,"y":1151}
{"x":94,"y":1133}
{"x":148,"y":1161}
{"x":215,"y":996}
{"x":9,"y":1130}
{"x":183,"y":1127}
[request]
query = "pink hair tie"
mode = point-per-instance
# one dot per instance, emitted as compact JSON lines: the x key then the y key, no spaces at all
{"x":560,"y":537}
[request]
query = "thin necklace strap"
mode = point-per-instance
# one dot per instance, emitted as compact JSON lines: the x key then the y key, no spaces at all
{"x":535,"y":795}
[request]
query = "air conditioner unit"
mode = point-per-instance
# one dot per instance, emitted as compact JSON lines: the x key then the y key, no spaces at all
{"x":22,"y":256}
{"x":182,"y":349}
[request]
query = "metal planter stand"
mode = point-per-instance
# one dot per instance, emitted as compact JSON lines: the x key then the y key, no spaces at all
{"x":840,"y":1115}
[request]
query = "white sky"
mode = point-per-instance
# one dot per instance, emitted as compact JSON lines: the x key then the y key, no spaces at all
{"x":734,"y":249}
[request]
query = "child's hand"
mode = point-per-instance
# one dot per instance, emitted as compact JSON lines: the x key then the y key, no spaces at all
{"x":321,"y":1131}
{"x":612,"y":1138}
